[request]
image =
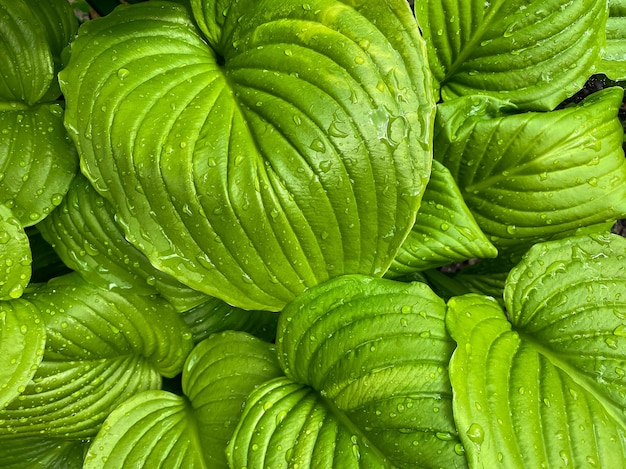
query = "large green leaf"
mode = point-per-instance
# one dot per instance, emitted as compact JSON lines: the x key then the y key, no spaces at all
{"x":444,"y":232}
{"x":532,"y":176}
{"x":157,"y":428}
{"x":613,"y":62}
{"x":293,"y":147}
{"x":101,"y":348}
{"x":548,"y":388}
{"x":366,"y":374}
{"x":531,"y":53}
{"x":37,"y":161}
{"x":86,"y":237}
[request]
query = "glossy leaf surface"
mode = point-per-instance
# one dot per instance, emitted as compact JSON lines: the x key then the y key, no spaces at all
{"x":292,"y":148}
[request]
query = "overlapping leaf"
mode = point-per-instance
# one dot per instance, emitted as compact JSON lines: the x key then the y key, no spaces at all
{"x":444,"y":232}
{"x":160,"y":428}
{"x":214,"y":316}
{"x":366,"y":382}
{"x":15,"y":255}
{"x":533,"y":54}
{"x":292,"y":148}
{"x":613,"y":62}
{"x":41,"y":453}
{"x":101,"y":348}
{"x":86,"y":237}
{"x":531,"y":176}
{"x":547,"y":388}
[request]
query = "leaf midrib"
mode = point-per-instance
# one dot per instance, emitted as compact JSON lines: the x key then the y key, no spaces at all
{"x":467,"y":50}
{"x":613,"y":409}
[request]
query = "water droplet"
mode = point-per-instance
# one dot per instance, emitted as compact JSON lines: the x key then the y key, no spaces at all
{"x":476,"y":434}
{"x":359,"y":60}
{"x":288,"y":52}
{"x":122,"y":73}
{"x":318,"y":145}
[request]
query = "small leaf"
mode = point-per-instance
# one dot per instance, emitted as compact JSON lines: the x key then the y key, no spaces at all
{"x":444,"y":232}
{"x":214,"y":315}
{"x":546,"y":389}
{"x":15,"y":254}
{"x":101,"y":348}
{"x":532,"y":176}
{"x":22,"y":341}
{"x":37,"y":161}
{"x":26,"y":62}
{"x":157,"y":428}
{"x":533,"y":54}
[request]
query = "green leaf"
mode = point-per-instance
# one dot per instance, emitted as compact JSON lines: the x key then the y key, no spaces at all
{"x":294,"y":149}
{"x":533,"y":54}
{"x":299,"y":429}
{"x":444,"y":232}
{"x":16,"y":255}
{"x":613,"y":62}
{"x":37,"y":161}
{"x":41,"y":453}
{"x":214,"y":316}
{"x":22,"y":341}
{"x":84,"y":233}
{"x":376,"y":351}
{"x":546,"y":389}
{"x":160,"y":428}
{"x":26,"y":62}
{"x":101,"y":348}
{"x":532,"y":176}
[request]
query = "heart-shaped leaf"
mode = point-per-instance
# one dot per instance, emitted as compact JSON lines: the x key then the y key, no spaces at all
{"x":160,"y":428}
{"x":533,"y":54}
{"x":444,"y":232}
{"x":366,"y":384}
{"x":546,"y":389}
{"x":293,"y":147}
{"x":531,"y":176}
{"x":86,"y":237}
{"x":101,"y":348}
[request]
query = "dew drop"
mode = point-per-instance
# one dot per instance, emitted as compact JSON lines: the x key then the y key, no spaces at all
{"x":122,"y":73}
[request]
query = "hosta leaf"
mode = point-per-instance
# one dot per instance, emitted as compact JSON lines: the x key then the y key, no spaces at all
{"x":531,"y":176}
{"x":160,"y":428}
{"x":26,"y":65}
{"x":216,"y":316}
{"x":15,"y":254}
{"x":533,"y":54}
{"x":299,"y":429}
{"x":444,"y":232}
{"x":613,"y":62}
{"x":378,"y":351}
{"x":546,"y":389}
{"x":84,"y":233}
{"x":41,"y":453}
{"x":22,"y":341}
{"x":292,"y":148}
{"x":37,"y":161}
{"x":101,"y":348}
